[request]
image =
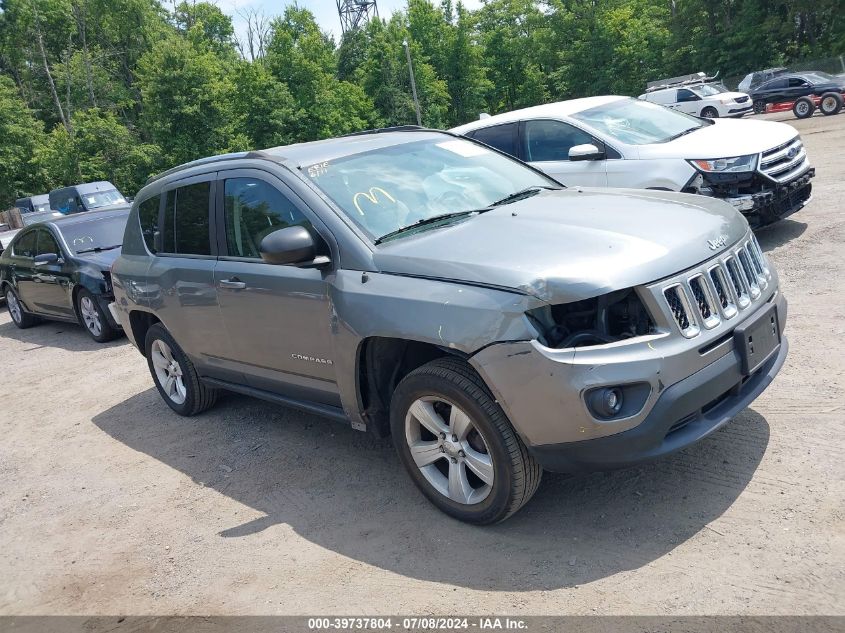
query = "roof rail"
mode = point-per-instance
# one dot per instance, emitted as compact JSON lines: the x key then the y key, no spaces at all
{"x":195,"y":163}
{"x":684,"y":80}
{"x":395,"y":128}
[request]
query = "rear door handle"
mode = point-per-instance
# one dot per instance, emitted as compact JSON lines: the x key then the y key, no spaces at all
{"x":233,"y":284}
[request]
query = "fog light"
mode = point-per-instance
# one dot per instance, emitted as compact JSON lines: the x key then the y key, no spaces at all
{"x":606,"y":402}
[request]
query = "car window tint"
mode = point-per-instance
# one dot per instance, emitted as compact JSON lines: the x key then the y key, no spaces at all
{"x":796,"y":82}
{"x":25,"y":245}
{"x":47,"y":243}
{"x":685,"y":95}
{"x":185,"y":229}
{"x":501,"y":137}
{"x":552,"y":140}
{"x":254,"y":209}
{"x":777,"y":84}
{"x":148,"y":217}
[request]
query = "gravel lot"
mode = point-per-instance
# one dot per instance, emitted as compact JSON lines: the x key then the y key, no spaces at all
{"x":111,"y":504}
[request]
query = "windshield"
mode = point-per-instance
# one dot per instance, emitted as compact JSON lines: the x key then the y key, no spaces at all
{"x":93,"y":235}
{"x":40,"y":208}
{"x":102,"y":199}
{"x":390,"y":188}
{"x":636,"y":122}
{"x":819,"y":77}
{"x":708,"y":90}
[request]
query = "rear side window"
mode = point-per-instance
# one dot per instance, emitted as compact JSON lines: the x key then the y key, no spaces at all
{"x":148,"y":217}
{"x":254,"y":209}
{"x":502,"y":137}
{"x":25,"y":246}
{"x":186,"y":226}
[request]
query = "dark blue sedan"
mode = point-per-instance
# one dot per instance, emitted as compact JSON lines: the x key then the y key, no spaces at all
{"x":60,"y":270}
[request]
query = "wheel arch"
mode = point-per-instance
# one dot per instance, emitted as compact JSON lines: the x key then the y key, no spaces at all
{"x":381,"y":363}
{"x":140,"y":322}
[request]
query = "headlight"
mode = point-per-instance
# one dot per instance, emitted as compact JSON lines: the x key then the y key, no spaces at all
{"x":726,"y":165}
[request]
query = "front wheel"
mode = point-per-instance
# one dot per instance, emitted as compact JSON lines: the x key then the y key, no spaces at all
{"x":759,"y":106}
{"x":175,"y":375}
{"x":458,"y":446}
{"x":94,"y":319}
{"x":710,"y":113}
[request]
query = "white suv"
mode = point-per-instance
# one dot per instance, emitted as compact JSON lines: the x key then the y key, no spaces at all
{"x":706,"y":100}
{"x":760,"y":167}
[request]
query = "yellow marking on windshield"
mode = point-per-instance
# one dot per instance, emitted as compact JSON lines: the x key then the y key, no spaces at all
{"x":371,"y":196}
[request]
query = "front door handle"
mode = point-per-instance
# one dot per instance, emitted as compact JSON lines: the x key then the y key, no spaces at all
{"x":233,"y":284}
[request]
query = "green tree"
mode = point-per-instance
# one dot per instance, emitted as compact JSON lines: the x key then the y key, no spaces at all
{"x":20,"y":137}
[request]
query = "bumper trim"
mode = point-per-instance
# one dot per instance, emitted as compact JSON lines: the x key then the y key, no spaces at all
{"x":685,"y":413}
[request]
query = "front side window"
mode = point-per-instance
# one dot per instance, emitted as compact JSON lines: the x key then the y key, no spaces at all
{"x":148,"y":217}
{"x":796,"y":82}
{"x":92,"y":236}
{"x":502,"y":137}
{"x":552,"y":140}
{"x":254,"y":209}
{"x":636,"y":122}
{"x":186,"y":226}
{"x":392,"y":187}
{"x":685,"y":95}
{"x":25,"y":246}
{"x":47,"y":244}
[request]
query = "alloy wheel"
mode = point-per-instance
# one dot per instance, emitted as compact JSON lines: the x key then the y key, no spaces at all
{"x":14,"y":306}
{"x":449,"y":450}
{"x":803,"y":108}
{"x":90,"y":316}
{"x":168,"y":372}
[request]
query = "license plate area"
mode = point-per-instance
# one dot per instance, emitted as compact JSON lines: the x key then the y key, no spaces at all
{"x":756,"y":341}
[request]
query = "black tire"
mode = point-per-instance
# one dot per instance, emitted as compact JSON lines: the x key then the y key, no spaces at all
{"x":710,"y":113}
{"x":831,"y":103}
{"x":198,"y":397}
{"x":98,"y":328}
{"x":803,"y":108}
{"x":759,"y":107}
{"x":20,"y":316}
{"x":516,"y":475}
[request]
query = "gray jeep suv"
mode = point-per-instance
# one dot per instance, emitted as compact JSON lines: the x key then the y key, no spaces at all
{"x":414,"y":283}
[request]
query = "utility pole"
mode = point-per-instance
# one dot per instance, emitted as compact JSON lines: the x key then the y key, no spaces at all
{"x":355,"y":13}
{"x":413,"y":82}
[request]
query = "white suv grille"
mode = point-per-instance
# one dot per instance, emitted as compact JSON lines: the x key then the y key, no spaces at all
{"x":784,"y":162}
{"x":718,"y":290}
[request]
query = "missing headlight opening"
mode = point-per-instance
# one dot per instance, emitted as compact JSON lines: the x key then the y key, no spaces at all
{"x":605,"y":319}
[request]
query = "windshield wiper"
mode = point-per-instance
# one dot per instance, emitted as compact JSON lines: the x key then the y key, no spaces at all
{"x":523,"y":193}
{"x":425,"y":221}
{"x":98,"y":249}
{"x":684,"y":133}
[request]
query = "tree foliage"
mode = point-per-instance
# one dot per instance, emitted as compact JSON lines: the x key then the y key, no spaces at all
{"x":120,"y":89}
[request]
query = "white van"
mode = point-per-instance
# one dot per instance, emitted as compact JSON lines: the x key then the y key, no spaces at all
{"x":706,"y":100}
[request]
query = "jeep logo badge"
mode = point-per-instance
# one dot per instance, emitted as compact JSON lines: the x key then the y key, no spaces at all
{"x":718,"y":243}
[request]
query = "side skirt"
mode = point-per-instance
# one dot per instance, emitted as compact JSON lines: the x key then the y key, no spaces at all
{"x":334,"y":413}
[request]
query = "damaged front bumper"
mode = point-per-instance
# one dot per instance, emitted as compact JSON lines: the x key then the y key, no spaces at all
{"x":693,"y":388}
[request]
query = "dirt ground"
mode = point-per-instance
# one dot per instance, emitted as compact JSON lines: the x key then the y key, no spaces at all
{"x":111,"y":504}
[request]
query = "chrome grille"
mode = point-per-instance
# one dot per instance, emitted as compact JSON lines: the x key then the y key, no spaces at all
{"x":784,"y":162}
{"x":718,"y":291}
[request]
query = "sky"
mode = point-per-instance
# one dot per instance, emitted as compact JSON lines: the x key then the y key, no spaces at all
{"x":324,"y":10}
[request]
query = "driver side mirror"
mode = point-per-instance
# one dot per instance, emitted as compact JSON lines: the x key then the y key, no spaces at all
{"x":45,"y":258}
{"x":292,"y":245}
{"x":588,"y":151}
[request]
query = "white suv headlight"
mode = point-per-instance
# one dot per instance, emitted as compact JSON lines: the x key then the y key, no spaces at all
{"x":726,"y":165}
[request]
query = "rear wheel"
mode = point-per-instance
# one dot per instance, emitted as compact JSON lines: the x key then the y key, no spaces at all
{"x":803,"y":108}
{"x":174,"y":374}
{"x":458,"y":446}
{"x":710,"y":113}
{"x":94,"y":319}
{"x":831,"y":103}
{"x":20,"y":317}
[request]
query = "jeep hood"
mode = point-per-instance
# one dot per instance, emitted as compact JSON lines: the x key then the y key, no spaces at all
{"x":725,"y":138}
{"x":572,"y":244}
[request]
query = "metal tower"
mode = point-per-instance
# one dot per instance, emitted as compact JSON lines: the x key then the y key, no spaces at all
{"x":354,"y":13}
